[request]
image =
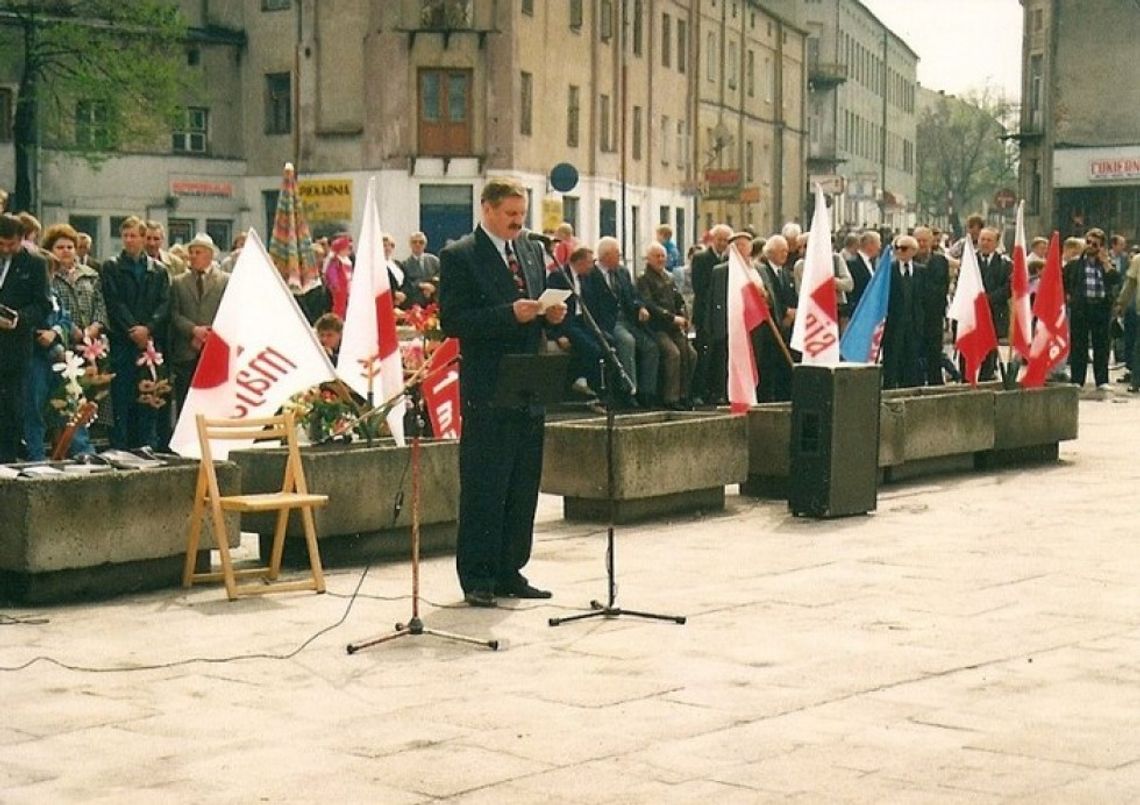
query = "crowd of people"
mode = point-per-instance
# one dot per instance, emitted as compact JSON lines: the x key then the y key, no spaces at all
{"x":145,"y":312}
{"x":665,"y":323}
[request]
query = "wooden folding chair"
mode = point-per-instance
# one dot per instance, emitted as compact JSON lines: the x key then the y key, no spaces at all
{"x":294,"y":494}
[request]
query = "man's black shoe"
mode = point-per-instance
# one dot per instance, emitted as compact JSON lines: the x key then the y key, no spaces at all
{"x":480,"y":598}
{"x":525,"y":590}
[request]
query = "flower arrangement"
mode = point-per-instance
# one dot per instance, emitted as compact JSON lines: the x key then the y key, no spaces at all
{"x":84,"y":377}
{"x":328,"y":414}
{"x":154,"y":381}
{"x":425,"y":321}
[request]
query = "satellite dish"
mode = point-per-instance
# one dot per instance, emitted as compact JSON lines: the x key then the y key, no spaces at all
{"x":563,"y":177}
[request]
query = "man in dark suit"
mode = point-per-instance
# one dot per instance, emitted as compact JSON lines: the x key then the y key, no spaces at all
{"x":862,"y":267}
{"x":421,"y":273}
{"x":194,"y":299}
{"x":1091,"y":284}
{"x":136,"y":290}
{"x":772,"y":358}
{"x":705,"y":377}
{"x":935,"y":269}
{"x":575,"y":335}
{"x":996,"y":271}
{"x":904,"y":362}
{"x":490,"y":281}
{"x":25,"y":301}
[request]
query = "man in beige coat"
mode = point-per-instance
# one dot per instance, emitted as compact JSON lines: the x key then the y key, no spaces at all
{"x":194,"y":299}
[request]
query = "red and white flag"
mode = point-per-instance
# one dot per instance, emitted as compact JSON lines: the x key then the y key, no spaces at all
{"x":1021,"y":321}
{"x":260,"y":352}
{"x":369,"y":360}
{"x":815,"y":332}
{"x":1051,"y":340}
{"x":747,"y":310}
{"x":441,"y":391}
{"x":970,"y":308}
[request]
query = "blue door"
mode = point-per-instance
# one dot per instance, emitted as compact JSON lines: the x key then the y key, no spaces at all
{"x":445,"y":213}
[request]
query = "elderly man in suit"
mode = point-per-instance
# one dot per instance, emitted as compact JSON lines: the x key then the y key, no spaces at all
{"x":194,"y":299}
{"x":490,"y":281}
{"x":25,"y":302}
{"x":904,"y":359}
{"x":421,"y":273}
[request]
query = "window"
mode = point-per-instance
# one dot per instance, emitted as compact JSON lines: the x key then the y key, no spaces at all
{"x":638,"y":16}
{"x":666,"y":39}
{"x":751,"y":77}
{"x":90,"y":225}
{"x":525,"y":103}
{"x":189,"y":136}
{"x":92,"y":125}
{"x":1038,"y":19}
{"x":679,"y":229}
{"x":6,"y":110}
{"x":682,"y":45}
{"x":1036,"y":79}
{"x":276,"y":5}
{"x":682,"y":144}
{"x":711,"y":71}
{"x":181,"y":230}
{"x":606,"y":20}
{"x":278,"y":103}
{"x":444,"y":112}
{"x":607,"y":217}
{"x":749,"y":164}
{"x":576,"y":15}
{"x":221,"y":230}
{"x":769,"y":79}
{"x":666,"y":139}
{"x":445,"y":14}
{"x":570,"y":211}
{"x":572,"y":106}
{"x":528,"y":7}
{"x":732,"y":65}
{"x":604,"y":121}
{"x":663,"y":214}
{"x":637,"y":132}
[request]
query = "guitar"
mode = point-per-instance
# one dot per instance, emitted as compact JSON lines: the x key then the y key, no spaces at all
{"x":83,"y":416}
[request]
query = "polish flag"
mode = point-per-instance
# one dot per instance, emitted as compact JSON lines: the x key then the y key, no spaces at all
{"x":259,"y":353}
{"x":1050,"y":343}
{"x":747,"y":310}
{"x":970,"y":308}
{"x":815,"y":332}
{"x":1021,"y":322}
{"x":369,"y":361}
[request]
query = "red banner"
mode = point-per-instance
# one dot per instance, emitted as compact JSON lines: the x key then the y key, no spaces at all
{"x":441,"y":391}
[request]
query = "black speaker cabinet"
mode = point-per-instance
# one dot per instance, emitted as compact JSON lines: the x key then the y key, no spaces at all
{"x":834,"y":468}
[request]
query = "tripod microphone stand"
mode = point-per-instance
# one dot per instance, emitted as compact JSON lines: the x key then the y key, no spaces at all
{"x":415,"y":626}
{"x":609,"y":359}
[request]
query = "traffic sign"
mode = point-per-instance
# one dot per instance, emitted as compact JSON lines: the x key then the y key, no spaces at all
{"x":1005,"y":198}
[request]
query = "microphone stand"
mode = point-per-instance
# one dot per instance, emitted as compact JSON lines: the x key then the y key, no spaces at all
{"x":610,"y":358}
{"x":415,"y":626}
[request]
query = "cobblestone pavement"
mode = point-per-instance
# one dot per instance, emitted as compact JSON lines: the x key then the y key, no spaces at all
{"x":975,"y":639}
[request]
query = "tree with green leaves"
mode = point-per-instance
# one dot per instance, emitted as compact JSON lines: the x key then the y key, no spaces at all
{"x":96,"y":77}
{"x":962,"y":158}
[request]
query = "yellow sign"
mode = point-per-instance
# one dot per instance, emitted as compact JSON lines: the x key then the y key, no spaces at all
{"x":551,"y":213}
{"x":326,"y":199}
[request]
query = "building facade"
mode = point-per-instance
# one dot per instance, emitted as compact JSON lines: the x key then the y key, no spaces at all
{"x":862,"y":114}
{"x":1080,"y":136}
{"x":431,"y":97}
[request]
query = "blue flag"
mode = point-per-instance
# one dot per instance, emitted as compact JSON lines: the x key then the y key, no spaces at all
{"x":860,"y":342}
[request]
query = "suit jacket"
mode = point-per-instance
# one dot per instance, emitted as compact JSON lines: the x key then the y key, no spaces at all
{"x":130,"y":302}
{"x":781,"y":294}
{"x":188,"y":311}
{"x":476,"y":295}
{"x":26,"y":290}
{"x":608,"y":306}
{"x":702,"y":266}
{"x":662,"y":299}
{"x":996,"y":272}
{"x":935,"y":285}
{"x":861,"y":276}
{"x":424,"y":268}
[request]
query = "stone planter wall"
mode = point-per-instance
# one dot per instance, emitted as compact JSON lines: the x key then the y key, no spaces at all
{"x":931,"y":430}
{"x":90,"y":536}
{"x":365,"y":486}
{"x":664,"y":463}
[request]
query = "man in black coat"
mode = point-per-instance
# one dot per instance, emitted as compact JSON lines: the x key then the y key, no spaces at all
{"x":997,"y":271}
{"x":706,"y":382}
{"x":935,"y":270}
{"x":1092,"y":282}
{"x":772,"y":358}
{"x":136,"y":289}
{"x":904,"y":362}
{"x":575,"y":334}
{"x":25,"y":301}
{"x":490,"y":281}
{"x":862,"y":267}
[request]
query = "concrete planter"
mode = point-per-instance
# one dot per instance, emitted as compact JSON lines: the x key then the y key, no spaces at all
{"x":931,"y":430}
{"x":369,"y":513}
{"x":90,"y":536}
{"x":664,"y":463}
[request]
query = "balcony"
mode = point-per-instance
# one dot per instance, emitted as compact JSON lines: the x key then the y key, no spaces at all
{"x":824,"y":75}
{"x":447,"y":18}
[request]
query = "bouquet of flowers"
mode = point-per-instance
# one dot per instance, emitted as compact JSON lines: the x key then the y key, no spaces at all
{"x":84,"y":375}
{"x":425,"y":321}
{"x":327,"y":414}
{"x":154,"y":380}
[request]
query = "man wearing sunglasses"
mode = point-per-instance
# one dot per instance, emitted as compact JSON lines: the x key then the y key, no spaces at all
{"x":1091,"y":283}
